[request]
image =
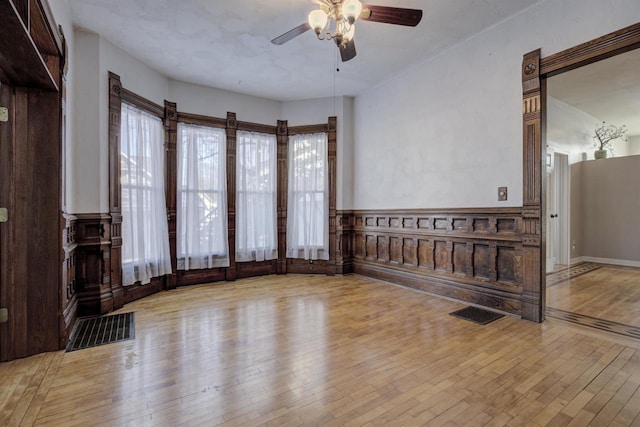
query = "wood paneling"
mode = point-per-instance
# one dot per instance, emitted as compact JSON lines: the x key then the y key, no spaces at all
{"x":68,"y":297}
{"x":93,"y":264}
{"x":459,"y":253}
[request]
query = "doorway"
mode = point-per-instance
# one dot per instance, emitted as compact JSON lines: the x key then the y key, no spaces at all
{"x":558,"y":196}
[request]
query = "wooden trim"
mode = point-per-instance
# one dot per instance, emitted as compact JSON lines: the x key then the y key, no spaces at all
{"x":534,"y":191}
{"x":535,"y":71}
{"x":21,"y":58}
{"x":231,"y":131}
{"x":300,"y":130}
{"x":458,"y":253}
{"x":595,"y":50}
{"x":332,"y":127}
{"x":68,"y":296}
{"x":198,"y":120}
{"x":93,"y":259}
{"x":282,"y":137}
{"x":170,"y":185}
{"x":437,"y":211}
{"x":142,"y":103}
{"x":255,"y":127}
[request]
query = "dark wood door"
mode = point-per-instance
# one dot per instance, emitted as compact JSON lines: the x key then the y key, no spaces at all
{"x":30,"y":241}
{"x":6,"y":133}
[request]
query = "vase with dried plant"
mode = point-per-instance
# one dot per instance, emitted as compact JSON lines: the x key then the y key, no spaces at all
{"x":604,"y":136}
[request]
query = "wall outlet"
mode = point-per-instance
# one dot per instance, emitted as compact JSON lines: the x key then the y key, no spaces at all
{"x":4,"y":114}
{"x":4,"y":315}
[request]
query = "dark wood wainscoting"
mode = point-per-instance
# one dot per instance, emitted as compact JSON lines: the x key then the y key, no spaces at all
{"x":68,"y":297}
{"x":472,"y":255}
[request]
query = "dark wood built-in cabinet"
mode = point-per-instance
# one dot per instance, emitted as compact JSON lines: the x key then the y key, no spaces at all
{"x":38,"y":303}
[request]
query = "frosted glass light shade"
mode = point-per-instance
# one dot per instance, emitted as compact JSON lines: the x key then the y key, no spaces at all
{"x":351,"y":10}
{"x":348,"y":36}
{"x":318,"y":20}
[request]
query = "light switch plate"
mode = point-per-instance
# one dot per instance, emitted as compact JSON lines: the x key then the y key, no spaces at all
{"x":4,"y":215}
{"x":4,"y":315}
{"x":502,"y":194}
{"x":4,"y":114}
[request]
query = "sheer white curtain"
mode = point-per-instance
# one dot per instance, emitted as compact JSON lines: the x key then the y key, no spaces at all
{"x":308,"y":203}
{"x":256,"y":209}
{"x":145,"y":234}
{"x":202,"y":198}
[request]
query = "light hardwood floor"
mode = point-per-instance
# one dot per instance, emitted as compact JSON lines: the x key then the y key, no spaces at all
{"x":610,"y":292}
{"x":316,"y":350}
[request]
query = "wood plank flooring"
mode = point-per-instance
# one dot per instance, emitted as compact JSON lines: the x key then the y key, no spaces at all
{"x":315,"y":350}
{"x":611,"y":293}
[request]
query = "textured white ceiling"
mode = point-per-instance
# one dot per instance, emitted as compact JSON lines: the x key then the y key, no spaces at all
{"x":226,"y":44}
{"x":608,"y":90}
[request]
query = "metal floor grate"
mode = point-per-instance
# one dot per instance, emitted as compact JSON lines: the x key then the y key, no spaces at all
{"x":95,"y":331}
{"x":477,"y":315}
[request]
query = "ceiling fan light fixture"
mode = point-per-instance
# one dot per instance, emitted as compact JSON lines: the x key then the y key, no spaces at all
{"x":351,"y":10}
{"x":348,"y":36}
{"x":318,"y":20}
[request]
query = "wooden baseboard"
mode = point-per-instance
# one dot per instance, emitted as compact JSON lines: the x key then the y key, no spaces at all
{"x":445,"y":287}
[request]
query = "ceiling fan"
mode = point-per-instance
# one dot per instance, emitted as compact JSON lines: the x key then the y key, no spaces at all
{"x":336,"y":20}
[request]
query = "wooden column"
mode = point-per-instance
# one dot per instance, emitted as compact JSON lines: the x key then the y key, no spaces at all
{"x":534,"y":205}
{"x":170,"y":185}
{"x":333,"y":167}
{"x":283,"y":160}
{"x":231,"y":129}
{"x":115,"y":197}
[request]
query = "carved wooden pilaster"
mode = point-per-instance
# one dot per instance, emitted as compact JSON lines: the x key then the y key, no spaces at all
{"x":231,"y":130}
{"x":333,"y":168}
{"x":170,"y":186}
{"x":283,"y":152}
{"x":93,"y":264}
{"x":534,"y":151}
{"x":115,"y":197}
{"x":344,"y":242}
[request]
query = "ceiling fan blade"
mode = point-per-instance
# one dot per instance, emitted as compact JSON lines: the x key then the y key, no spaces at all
{"x":295,"y":32}
{"x":391,"y":15}
{"x":348,"y":51}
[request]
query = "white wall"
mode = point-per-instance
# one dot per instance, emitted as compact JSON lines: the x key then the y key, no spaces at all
{"x":570,"y":130}
{"x":313,"y":111}
{"x":94,"y":57}
{"x":213,"y":102}
{"x":448,"y":132}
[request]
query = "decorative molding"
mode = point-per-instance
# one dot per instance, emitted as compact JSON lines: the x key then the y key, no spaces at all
{"x":473,"y":255}
{"x":171,"y":182}
{"x":198,"y":120}
{"x":299,"y":130}
{"x":535,"y":71}
{"x":282,"y":160}
{"x":259,"y":128}
{"x":533,"y":242}
{"x":142,"y":103}
{"x":603,"y":47}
